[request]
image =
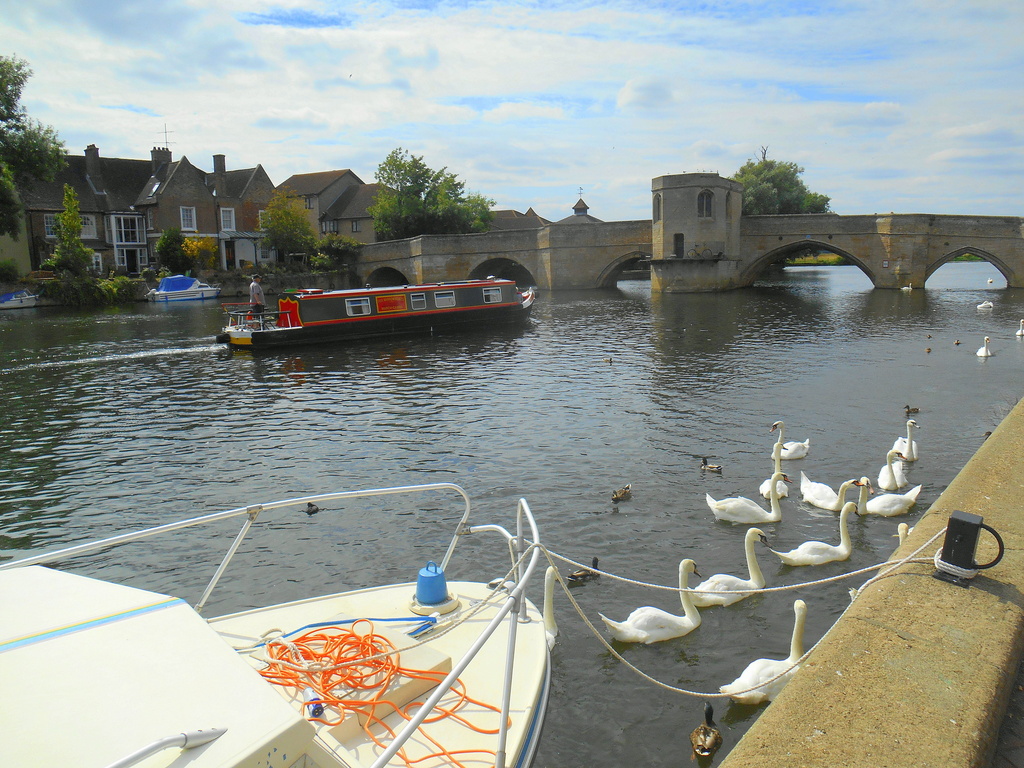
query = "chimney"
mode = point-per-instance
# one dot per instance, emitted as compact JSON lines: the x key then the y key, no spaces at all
{"x":219,"y":170}
{"x":92,"y":169}
{"x":160,"y":156}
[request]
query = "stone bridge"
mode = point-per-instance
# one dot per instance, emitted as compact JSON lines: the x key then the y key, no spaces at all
{"x":698,"y":240}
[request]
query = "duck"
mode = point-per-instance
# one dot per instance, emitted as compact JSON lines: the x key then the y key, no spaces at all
{"x":820,"y":552}
{"x":781,"y":487}
{"x":623,"y":493}
{"x":725,"y":589}
{"x":907,"y":445}
{"x":583,"y":575}
{"x":550,"y":626}
{"x":705,"y":739}
{"x":990,"y":281}
{"x":792,"y":449}
{"x":1020,"y":331}
{"x":709,"y":467}
{"x":909,"y":409}
{"x":311,"y":508}
{"x":822,"y":496}
{"x":956,"y":343}
{"x":648,"y":624}
{"x":983,"y":350}
{"x":740,"y":509}
{"x":891,"y":476}
{"x":758,"y":672}
{"x":888,"y":504}
{"x":986,"y":305}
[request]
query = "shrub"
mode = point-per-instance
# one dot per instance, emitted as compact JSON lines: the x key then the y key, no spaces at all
{"x":8,"y":271}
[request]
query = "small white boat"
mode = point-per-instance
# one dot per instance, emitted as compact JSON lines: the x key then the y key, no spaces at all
{"x":17,"y":300}
{"x":181,"y":288}
{"x":417,"y":674}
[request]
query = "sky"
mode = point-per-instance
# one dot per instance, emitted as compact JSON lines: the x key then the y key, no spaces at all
{"x":912,"y":107}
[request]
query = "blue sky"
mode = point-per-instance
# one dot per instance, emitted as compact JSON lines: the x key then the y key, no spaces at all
{"x":908,"y":107}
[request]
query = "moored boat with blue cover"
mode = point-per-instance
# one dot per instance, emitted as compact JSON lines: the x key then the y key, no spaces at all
{"x":182,"y":288}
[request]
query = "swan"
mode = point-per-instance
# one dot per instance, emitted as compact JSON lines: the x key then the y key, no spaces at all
{"x":891,"y":476}
{"x":706,"y":738}
{"x":903,"y":532}
{"x":1020,"y":331}
{"x":889,"y":504}
{"x":792,"y":449}
{"x":583,"y":575}
{"x":780,"y":486}
{"x":722,"y":588}
{"x":986,"y":305}
{"x":908,"y":287}
{"x":983,"y":350}
{"x":758,"y":672}
{"x":740,"y":509}
{"x":907,"y":445}
{"x":821,"y":496}
{"x":550,"y":627}
{"x":651,"y":625}
{"x":819,"y":552}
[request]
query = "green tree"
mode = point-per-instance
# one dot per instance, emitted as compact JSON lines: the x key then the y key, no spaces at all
{"x":70,"y":254}
{"x":417,"y":200}
{"x":335,"y":252}
{"x":772,"y":186}
{"x":28,"y":149}
{"x":285,"y":226}
{"x":171,"y":251}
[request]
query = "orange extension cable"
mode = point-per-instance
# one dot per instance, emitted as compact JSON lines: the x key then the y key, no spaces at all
{"x":336,"y":658}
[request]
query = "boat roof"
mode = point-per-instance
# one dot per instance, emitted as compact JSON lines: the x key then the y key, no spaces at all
{"x":369,"y":290}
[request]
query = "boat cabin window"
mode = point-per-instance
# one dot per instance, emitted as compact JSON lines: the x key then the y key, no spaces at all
{"x":492,"y":295}
{"x":357,"y":306}
{"x":418,"y":300}
{"x":444,"y":298}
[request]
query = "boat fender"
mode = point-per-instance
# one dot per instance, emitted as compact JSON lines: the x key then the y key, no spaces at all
{"x":431,"y":587}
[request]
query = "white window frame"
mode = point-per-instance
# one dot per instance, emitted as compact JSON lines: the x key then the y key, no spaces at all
{"x":50,"y":224}
{"x":417,"y":301}
{"x":120,"y":260}
{"x":133,"y":234}
{"x":97,"y":262}
{"x":443,"y":299}
{"x":227,"y":219}
{"x":356,"y":307}
{"x":88,"y":226}
{"x":357,"y":225}
{"x":492,"y":295}
{"x":149,"y":218}
{"x":310,"y":202}
{"x":188,"y":212}
{"x":259,"y":218}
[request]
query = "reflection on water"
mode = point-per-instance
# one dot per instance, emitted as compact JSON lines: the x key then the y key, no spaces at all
{"x":131,"y":417}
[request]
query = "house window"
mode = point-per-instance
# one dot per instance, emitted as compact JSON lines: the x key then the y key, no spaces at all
{"x":444,"y":298}
{"x":97,"y":262}
{"x":492,"y":295}
{"x":357,"y":306}
{"x":149,"y":218}
{"x":259,"y":218}
{"x":227,"y":218}
{"x":331,"y":225}
{"x":50,"y":224}
{"x":88,"y":226}
{"x":357,"y":226}
{"x":120,"y":259}
{"x":418,"y":300}
{"x":188,"y":218}
{"x":310,"y":202}
{"x":705,"y":200}
{"x":128,"y":229}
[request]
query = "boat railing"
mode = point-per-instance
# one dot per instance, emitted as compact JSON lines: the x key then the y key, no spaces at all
{"x":525,"y":558}
{"x":240,"y":315}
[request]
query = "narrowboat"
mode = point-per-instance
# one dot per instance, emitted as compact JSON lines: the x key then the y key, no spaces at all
{"x":313,"y":315}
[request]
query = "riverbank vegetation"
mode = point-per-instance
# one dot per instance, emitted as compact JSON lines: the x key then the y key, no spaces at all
{"x":775,"y":187}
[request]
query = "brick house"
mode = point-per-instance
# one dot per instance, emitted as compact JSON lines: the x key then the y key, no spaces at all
{"x":335,"y":201}
{"x":348,"y":215}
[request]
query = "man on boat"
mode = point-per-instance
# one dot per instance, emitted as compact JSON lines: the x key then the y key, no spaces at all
{"x":256,"y":300}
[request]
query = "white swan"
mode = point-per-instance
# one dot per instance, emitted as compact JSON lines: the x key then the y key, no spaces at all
{"x":651,"y":625}
{"x":983,"y":350}
{"x":1020,"y":331}
{"x":760,"y":671}
{"x":986,"y":305}
{"x":550,"y":627}
{"x":721,"y":589}
{"x":791,"y":449}
{"x":822,"y":496}
{"x":891,"y":476}
{"x":780,"y":486}
{"x":889,"y":504}
{"x":908,"y":287}
{"x":907,"y":445}
{"x":740,"y":509}
{"x":903,"y":532}
{"x":820,"y":552}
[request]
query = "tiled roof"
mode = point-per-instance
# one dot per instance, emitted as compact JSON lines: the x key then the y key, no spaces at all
{"x":314,"y":183}
{"x":353,"y":202}
{"x":509,"y":219}
{"x":122,"y":179}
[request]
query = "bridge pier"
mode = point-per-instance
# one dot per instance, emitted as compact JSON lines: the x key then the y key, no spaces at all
{"x":689,"y":275}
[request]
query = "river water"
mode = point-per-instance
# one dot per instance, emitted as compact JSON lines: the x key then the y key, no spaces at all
{"x":124,"y":418}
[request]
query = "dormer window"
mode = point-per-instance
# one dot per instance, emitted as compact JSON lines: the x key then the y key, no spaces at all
{"x":705,"y":204}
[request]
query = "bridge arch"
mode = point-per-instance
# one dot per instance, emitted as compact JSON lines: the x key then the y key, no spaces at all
{"x":382,"y":277}
{"x":782,"y":252}
{"x":609,"y":275}
{"x":996,"y":262}
{"x":506,"y":268}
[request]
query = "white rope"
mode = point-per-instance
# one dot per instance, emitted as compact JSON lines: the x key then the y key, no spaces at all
{"x":954,"y":570}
